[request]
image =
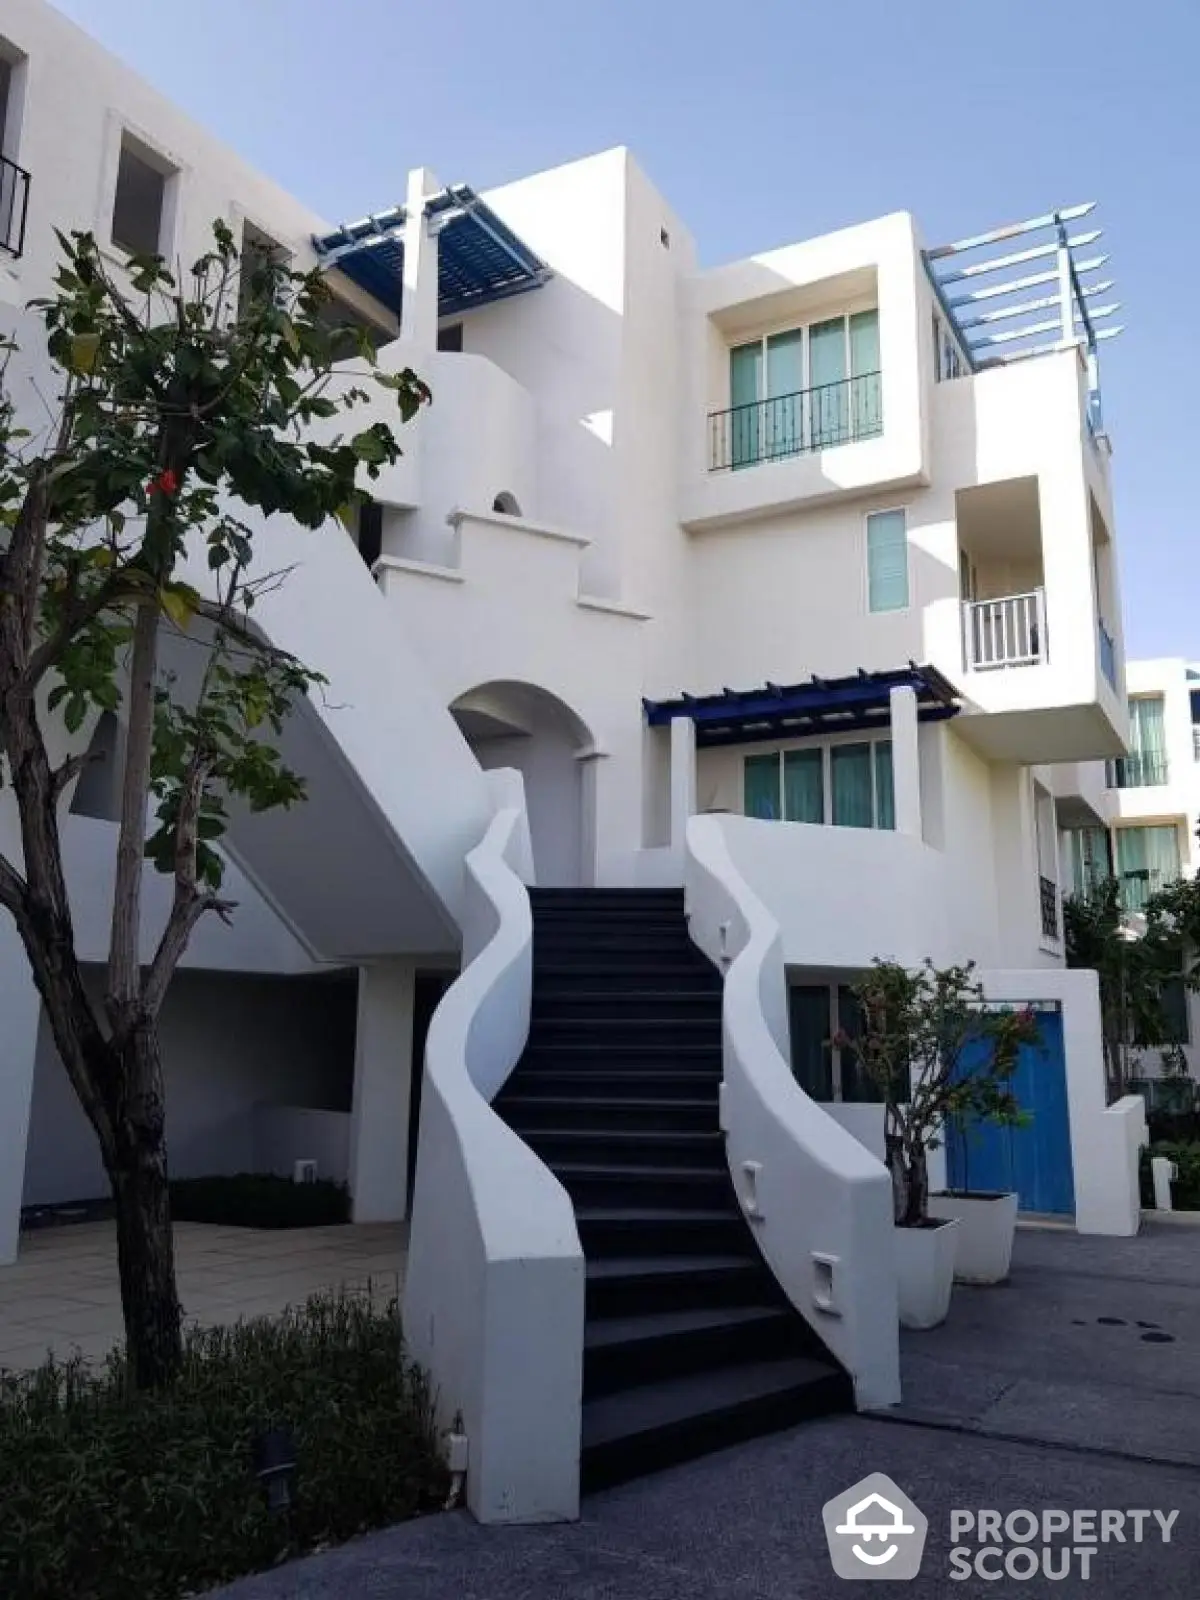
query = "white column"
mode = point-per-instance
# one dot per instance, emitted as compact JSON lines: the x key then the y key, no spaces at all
{"x":419,"y":311}
{"x":20,"y":1009}
{"x":382,"y":1091}
{"x":906,"y":761}
{"x":683,"y":779}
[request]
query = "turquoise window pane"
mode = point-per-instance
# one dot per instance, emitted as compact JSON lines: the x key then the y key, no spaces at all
{"x":830,"y":400}
{"x":808,"y":1017}
{"x":803,"y":786}
{"x":745,"y":391}
{"x":783,"y":419}
{"x":850,"y":770}
{"x":866,"y":384}
{"x":760,"y":785}
{"x":887,"y":561}
{"x":864,"y":343}
{"x":885,"y":797}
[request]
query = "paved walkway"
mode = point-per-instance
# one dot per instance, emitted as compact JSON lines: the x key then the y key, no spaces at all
{"x":1092,"y":1342}
{"x":1107,"y":1421}
{"x":63,"y":1291}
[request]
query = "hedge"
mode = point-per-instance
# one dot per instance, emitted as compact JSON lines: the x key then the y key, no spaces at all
{"x":108,"y":1494}
{"x":1185,"y":1189}
{"x":259,"y":1200}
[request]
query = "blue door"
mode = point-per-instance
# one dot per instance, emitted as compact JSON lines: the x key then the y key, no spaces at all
{"x":1034,"y":1160}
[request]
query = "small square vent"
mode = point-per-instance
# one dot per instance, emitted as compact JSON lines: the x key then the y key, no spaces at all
{"x":304,"y":1171}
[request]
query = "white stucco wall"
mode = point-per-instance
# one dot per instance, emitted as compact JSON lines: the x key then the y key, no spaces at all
{"x":228,"y":1044}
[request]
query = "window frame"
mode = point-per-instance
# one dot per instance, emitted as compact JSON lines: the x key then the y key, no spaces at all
{"x":156,"y":156}
{"x":889,"y":611}
{"x":871,"y":737}
{"x":803,"y":328}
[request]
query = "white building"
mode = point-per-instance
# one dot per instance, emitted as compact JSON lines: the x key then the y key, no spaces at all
{"x":767,"y":542}
{"x":1148,"y":810}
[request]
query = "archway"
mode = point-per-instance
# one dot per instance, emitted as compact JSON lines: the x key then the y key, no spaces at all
{"x":521,"y":725}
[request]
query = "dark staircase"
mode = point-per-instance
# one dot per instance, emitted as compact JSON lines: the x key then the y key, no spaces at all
{"x":689,"y":1343}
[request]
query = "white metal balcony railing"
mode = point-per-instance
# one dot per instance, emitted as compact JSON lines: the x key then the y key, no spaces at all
{"x":1007,"y":632}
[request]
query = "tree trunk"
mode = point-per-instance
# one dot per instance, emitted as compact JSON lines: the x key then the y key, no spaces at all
{"x":137,"y":1170}
{"x":910,"y":1181}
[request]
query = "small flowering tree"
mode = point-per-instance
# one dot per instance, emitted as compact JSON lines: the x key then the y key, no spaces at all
{"x":173,"y":408}
{"x":935,"y":1053}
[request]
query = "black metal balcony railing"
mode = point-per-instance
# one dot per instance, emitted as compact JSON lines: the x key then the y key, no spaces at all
{"x":796,"y":424}
{"x":1049,"y":895}
{"x":14,"y":203}
{"x":1141,"y":770}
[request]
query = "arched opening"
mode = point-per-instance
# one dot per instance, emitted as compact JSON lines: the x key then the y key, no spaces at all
{"x":507,"y":504}
{"x":520,"y":725}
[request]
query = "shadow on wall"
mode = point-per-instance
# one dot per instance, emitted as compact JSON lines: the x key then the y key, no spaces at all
{"x":521,"y":725}
{"x":229,"y":1043}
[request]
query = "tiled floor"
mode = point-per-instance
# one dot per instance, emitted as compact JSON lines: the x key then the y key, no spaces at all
{"x":63,"y":1294}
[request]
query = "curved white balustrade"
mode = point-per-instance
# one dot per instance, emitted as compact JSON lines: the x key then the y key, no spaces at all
{"x":819,"y":1203}
{"x":493,"y":1295}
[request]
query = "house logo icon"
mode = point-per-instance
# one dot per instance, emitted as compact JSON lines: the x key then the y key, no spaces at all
{"x":875,"y":1531}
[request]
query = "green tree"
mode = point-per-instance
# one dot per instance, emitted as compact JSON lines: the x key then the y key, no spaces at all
{"x":917,"y":1025}
{"x":177,"y":407}
{"x":1136,"y":963}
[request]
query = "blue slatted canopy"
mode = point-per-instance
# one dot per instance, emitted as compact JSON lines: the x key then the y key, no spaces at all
{"x":792,"y":711}
{"x":480,"y":258}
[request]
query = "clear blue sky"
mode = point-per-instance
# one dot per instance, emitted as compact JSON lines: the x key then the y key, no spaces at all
{"x":764,"y":121}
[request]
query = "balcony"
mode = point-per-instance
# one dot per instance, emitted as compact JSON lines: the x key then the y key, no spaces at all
{"x":1141,"y":770}
{"x":14,"y":204}
{"x":796,"y":424}
{"x":1009,"y":631}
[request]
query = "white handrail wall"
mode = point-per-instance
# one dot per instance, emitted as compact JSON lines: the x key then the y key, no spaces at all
{"x":819,"y":1203}
{"x":493,"y":1294}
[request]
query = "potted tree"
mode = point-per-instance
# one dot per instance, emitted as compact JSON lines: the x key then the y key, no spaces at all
{"x":933,"y":1052}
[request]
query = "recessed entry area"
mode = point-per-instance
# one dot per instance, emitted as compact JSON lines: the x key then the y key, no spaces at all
{"x":523,"y":726}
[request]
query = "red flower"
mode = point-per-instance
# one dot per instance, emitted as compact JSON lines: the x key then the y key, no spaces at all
{"x":165,"y":483}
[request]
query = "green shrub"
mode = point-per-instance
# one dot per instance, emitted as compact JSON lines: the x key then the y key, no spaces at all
{"x":108,"y":1494}
{"x":1185,"y":1189}
{"x":259,"y":1200}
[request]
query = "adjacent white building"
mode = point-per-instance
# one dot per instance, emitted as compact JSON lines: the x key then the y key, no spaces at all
{"x":784,"y":542}
{"x":1143,"y":830}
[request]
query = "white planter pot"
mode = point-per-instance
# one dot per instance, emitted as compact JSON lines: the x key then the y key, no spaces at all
{"x":925,"y":1272}
{"x":987,"y":1223}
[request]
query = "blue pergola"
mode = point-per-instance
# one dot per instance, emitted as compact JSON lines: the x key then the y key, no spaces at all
{"x":480,"y":258}
{"x":795,"y":710}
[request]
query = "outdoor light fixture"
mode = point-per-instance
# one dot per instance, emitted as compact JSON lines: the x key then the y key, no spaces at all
{"x":274,"y":1467}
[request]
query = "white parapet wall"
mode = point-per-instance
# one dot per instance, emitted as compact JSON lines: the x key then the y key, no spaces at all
{"x":819,"y":1202}
{"x":494,"y":1289}
{"x":1105,"y":1139}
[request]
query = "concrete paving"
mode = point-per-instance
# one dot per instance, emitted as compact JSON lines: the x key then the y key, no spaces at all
{"x":746,"y":1525}
{"x":1024,"y":1400}
{"x":1092,"y":1343}
{"x":62,"y":1293}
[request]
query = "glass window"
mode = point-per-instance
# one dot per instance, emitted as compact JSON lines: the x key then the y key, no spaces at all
{"x":850,"y":782}
{"x":138,"y":203}
{"x":804,"y":785}
{"x":808,"y":1017}
{"x":887,"y":561}
{"x":885,"y":796}
{"x":1147,"y":860}
{"x":760,"y":787}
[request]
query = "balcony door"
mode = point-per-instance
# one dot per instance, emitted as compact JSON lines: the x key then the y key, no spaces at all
{"x":804,"y":389}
